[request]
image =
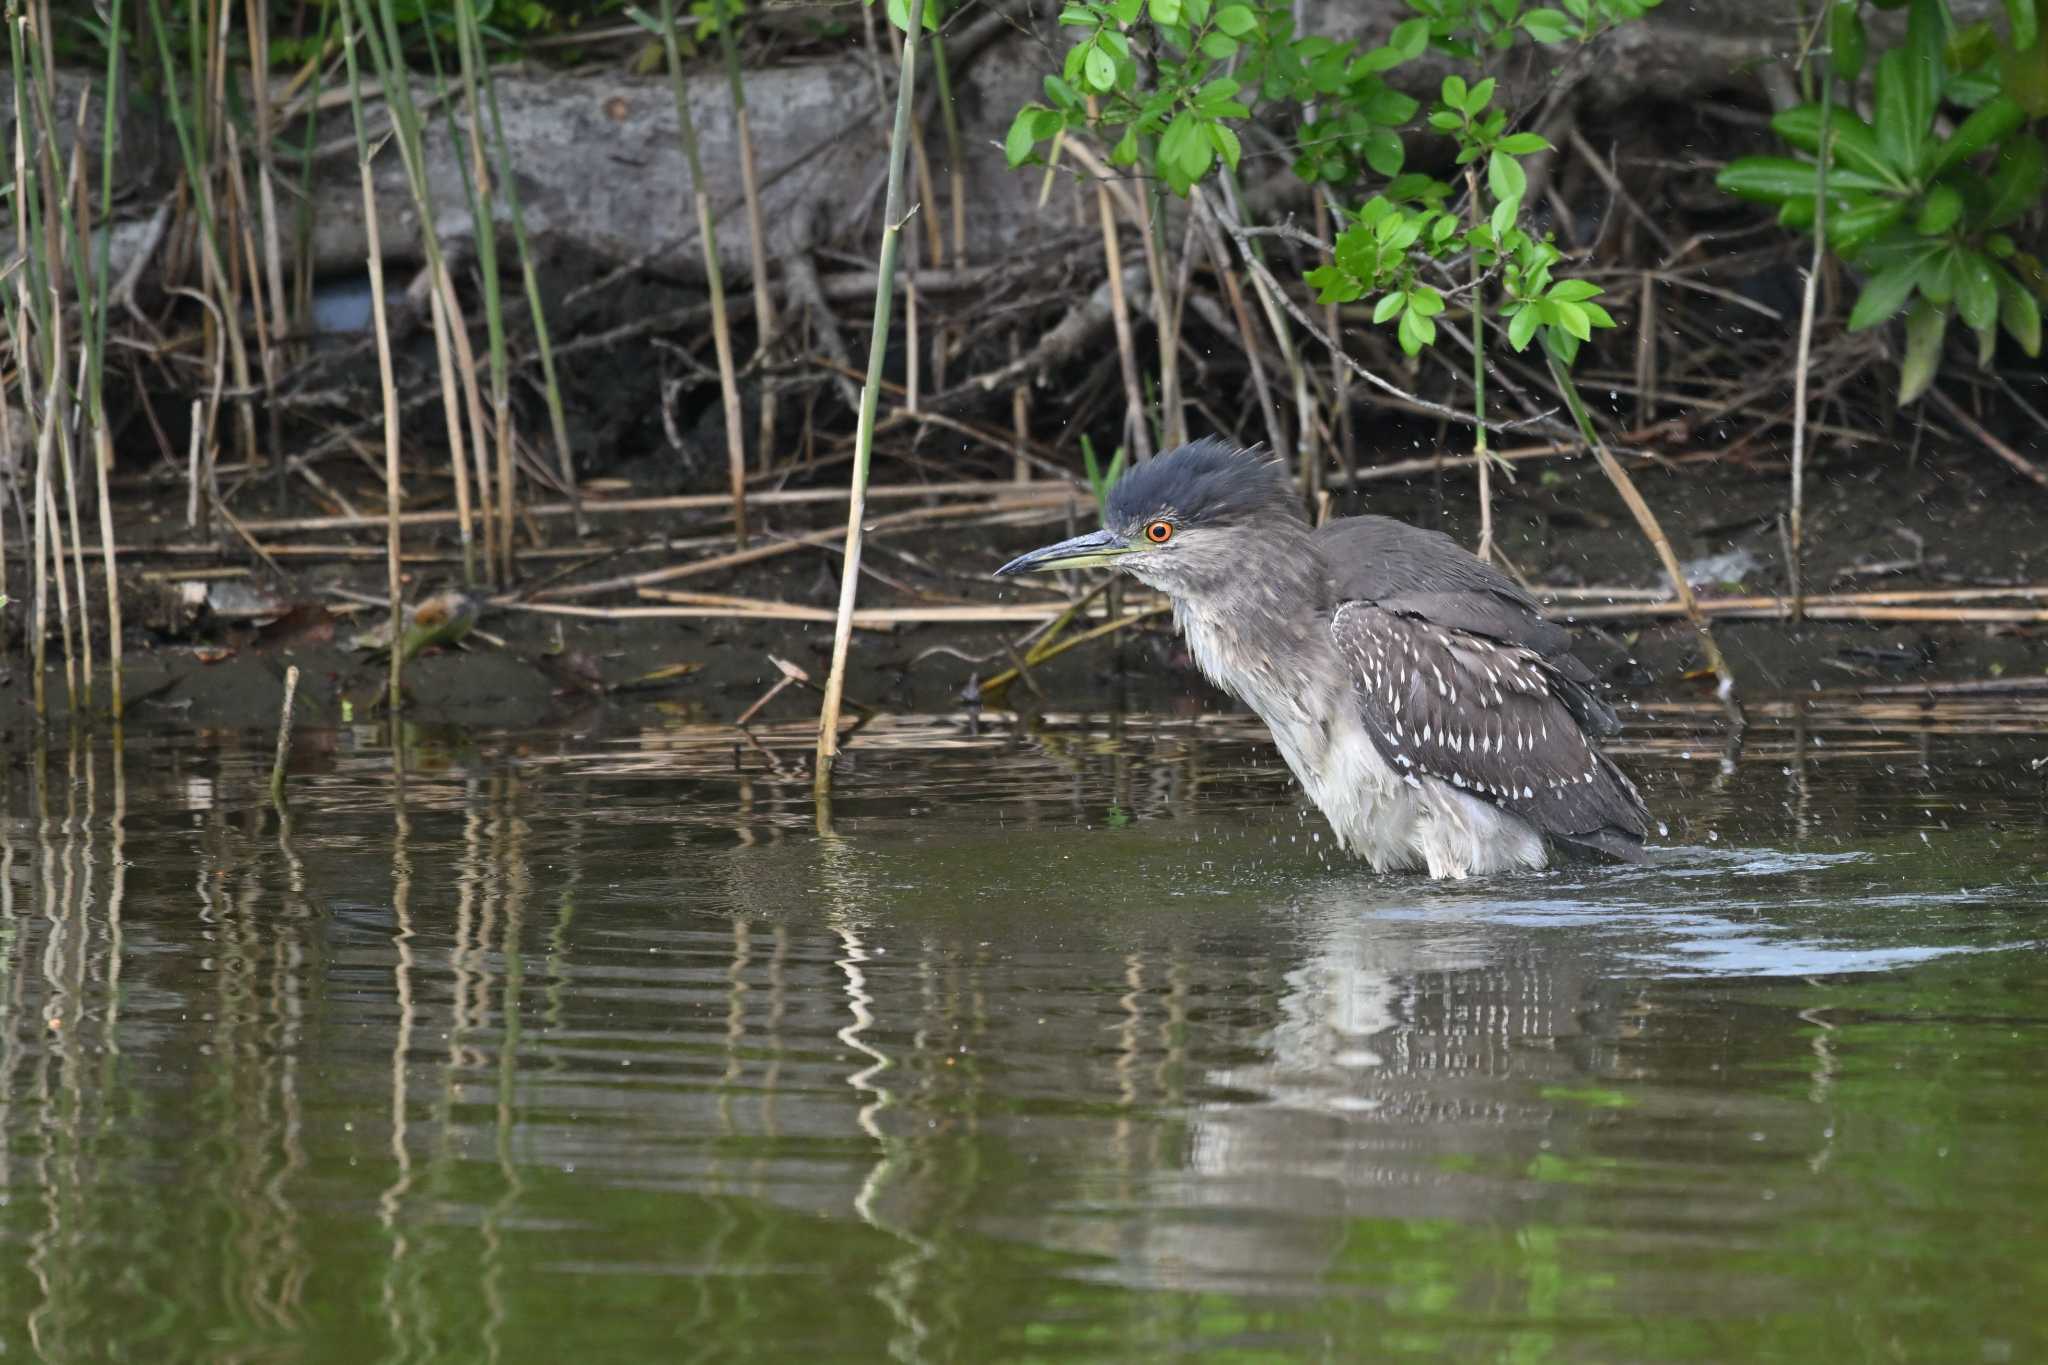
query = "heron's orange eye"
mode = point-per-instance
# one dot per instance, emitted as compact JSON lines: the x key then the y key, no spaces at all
{"x":1159,"y":532}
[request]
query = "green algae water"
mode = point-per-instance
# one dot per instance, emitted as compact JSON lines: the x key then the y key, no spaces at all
{"x":1061,"y":1041}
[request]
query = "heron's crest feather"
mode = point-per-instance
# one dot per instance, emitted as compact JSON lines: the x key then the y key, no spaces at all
{"x":1204,"y":483}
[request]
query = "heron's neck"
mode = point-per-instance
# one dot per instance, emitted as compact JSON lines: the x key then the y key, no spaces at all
{"x":1265,"y":636}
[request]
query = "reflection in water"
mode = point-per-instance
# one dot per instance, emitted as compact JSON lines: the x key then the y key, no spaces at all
{"x":1061,"y":1041}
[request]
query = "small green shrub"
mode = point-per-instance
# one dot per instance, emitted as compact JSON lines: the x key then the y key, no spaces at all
{"x":1924,"y":216}
{"x":1166,"y":82}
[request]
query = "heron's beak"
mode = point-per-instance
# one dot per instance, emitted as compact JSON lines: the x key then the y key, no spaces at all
{"x":1082,"y":552}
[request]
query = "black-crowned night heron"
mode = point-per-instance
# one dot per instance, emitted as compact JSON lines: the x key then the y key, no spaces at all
{"x":1435,"y":717}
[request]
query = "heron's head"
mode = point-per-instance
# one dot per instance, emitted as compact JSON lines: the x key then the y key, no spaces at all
{"x":1186,"y":522}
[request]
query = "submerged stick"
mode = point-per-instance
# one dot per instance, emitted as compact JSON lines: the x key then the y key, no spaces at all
{"x":284,"y":736}
{"x":893,"y":215}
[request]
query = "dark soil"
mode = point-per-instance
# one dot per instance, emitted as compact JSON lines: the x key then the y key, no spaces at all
{"x":1964,"y":519}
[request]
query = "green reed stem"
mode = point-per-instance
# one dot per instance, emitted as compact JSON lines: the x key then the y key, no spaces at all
{"x":551,"y":388}
{"x":870,"y":397}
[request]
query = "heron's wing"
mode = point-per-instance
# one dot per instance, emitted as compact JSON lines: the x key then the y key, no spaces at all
{"x":1371,"y":558}
{"x":1429,"y":576}
{"x":1489,"y":718}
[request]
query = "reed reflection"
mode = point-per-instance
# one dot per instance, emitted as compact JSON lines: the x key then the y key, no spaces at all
{"x":1069,"y":1025}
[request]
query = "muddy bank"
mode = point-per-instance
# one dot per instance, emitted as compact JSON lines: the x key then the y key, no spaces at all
{"x":1872,"y":525}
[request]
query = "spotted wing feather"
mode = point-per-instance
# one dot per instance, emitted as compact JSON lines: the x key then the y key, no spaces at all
{"x":1427,"y":575}
{"x":1488,"y":718}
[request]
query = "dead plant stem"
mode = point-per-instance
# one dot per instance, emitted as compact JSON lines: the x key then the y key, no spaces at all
{"x":721,"y":326}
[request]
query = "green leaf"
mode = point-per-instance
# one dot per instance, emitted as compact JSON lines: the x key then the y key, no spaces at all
{"x":1389,"y":307}
{"x":1378,"y":60}
{"x":1522,"y":326}
{"x":1926,"y":37}
{"x":1099,"y":68}
{"x":1939,"y":275}
{"x":1859,"y":219}
{"x":2020,"y":313}
{"x":1561,"y":344}
{"x":1175,"y":139}
{"x":1503,"y":216}
{"x":1195,"y":150}
{"x":1925,"y":326}
{"x":1522,"y":144}
{"x":1990,"y":123}
{"x":1126,"y":11}
{"x":1236,"y":20}
{"x":1574,"y":291}
{"x":1384,"y":152}
{"x":1504,"y":176}
{"x":1220,"y":46}
{"x":1846,"y":44}
{"x":1573,"y":318}
{"x":1970,"y":47}
{"x":1884,"y":294}
{"x":1416,"y":332}
{"x":1939,"y":211}
{"x":1426,"y":300}
{"x":1165,"y":11}
{"x":1018,"y":142}
{"x":1546,"y":26}
{"x":1410,"y":38}
{"x":1905,"y":107}
{"x":1224,"y":140}
{"x":1855,"y":145}
{"x":1479,"y":96}
{"x":1334,"y":284}
{"x":1977,"y":290}
{"x":1597,"y":315}
{"x":2026,"y":27}
{"x":1454,"y":91}
{"x":899,"y":15}
{"x":1770,"y":179}
{"x":1391,"y":108}
{"x":2017,"y":181}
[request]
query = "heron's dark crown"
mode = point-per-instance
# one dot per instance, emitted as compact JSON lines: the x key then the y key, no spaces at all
{"x":1206,"y":483}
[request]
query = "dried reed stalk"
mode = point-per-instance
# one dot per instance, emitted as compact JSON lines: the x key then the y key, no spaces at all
{"x":458,"y":457}
{"x":1846,"y":607}
{"x":766,"y":323}
{"x":1136,"y":432}
{"x":1647,"y":521}
{"x":721,"y":326}
{"x":394,"y":581}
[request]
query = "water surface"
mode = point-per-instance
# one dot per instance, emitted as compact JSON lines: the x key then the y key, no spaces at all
{"x":1051,"y":1042}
